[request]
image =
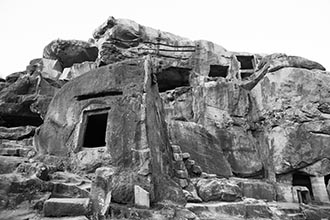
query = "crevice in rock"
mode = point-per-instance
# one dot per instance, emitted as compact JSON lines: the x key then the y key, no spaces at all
{"x":17,"y":121}
{"x":319,"y":133}
{"x":99,"y":95}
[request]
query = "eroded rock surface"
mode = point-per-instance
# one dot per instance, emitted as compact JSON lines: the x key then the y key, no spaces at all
{"x":137,"y":107}
{"x":68,"y":52}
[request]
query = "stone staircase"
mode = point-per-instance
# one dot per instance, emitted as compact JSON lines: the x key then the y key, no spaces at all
{"x":13,"y":153}
{"x":62,"y":196}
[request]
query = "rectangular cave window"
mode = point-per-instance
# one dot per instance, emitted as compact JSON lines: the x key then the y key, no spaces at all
{"x":247,"y":62}
{"x":172,"y":78}
{"x":95,"y":130}
{"x":218,"y":71}
{"x":245,"y":74}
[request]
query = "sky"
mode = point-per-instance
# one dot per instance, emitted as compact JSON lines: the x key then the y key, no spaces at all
{"x":294,"y":27}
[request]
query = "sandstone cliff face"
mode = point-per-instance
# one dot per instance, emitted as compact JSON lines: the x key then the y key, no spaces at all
{"x":292,"y":101}
{"x":138,"y":106}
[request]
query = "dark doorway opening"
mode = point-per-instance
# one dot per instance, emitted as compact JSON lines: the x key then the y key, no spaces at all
{"x":246,"y":62}
{"x":218,"y":71}
{"x":172,"y":78}
{"x":95,"y":132}
{"x":302,"y":179}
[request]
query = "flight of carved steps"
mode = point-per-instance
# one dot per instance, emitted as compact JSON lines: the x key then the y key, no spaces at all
{"x":63,"y":195}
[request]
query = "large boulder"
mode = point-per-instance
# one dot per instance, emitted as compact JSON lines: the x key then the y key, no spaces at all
{"x":68,"y":52}
{"x":120,"y":39}
{"x":217,"y":190}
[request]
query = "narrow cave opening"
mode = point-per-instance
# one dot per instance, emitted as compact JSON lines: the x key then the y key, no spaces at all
{"x":16,"y":120}
{"x":172,"y":78}
{"x":302,"y":179}
{"x":218,"y":71}
{"x":246,"y":62}
{"x":326,"y":180}
{"x":95,"y":131}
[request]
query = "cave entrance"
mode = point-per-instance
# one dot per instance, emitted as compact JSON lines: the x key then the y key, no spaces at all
{"x":172,"y":78}
{"x":247,"y":62}
{"x":218,"y":71}
{"x":94,"y":129}
{"x":302,"y":179}
{"x":247,"y":65}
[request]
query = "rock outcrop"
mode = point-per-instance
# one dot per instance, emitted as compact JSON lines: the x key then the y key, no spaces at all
{"x":68,"y":52}
{"x":138,"y":111}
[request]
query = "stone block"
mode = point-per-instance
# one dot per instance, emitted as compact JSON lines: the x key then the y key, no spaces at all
{"x":196,"y":170}
{"x":57,"y":207}
{"x":179,"y":165}
{"x":191,"y":195}
{"x":183,"y":183}
{"x":185,"y":156}
{"x":177,"y":157}
{"x":141,"y":197}
{"x":284,"y":192}
{"x":51,"y":68}
{"x":319,"y":189}
{"x":76,"y":70}
{"x":176,"y":148}
{"x":182,"y":174}
{"x":189,"y":162}
{"x":218,"y":190}
{"x":258,"y":190}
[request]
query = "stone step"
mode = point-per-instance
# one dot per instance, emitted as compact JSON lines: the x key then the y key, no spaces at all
{"x":17,"y":151}
{"x":286,"y":207}
{"x":59,"y":207}
{"x":17,"y":133}
{"x":67,"y":190}
{"x":16,"y":143}
{"x":66,"y":218}
{"x":238,"y":209}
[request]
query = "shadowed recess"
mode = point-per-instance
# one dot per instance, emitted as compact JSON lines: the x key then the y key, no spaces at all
{"x":172,"y":78}
{"x":95,"y":130}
